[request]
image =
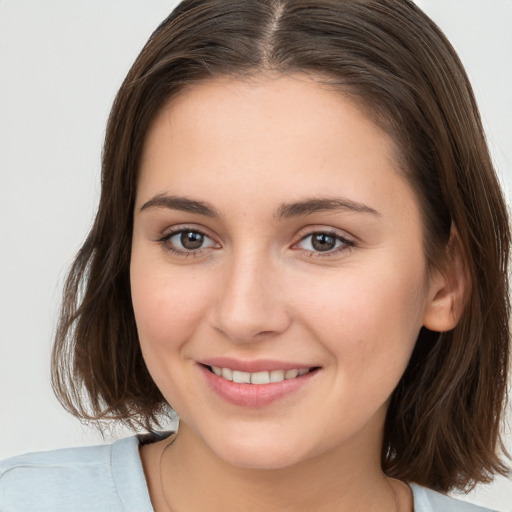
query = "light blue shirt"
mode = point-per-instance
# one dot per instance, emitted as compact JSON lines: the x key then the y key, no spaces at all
{"x":110,"y":478}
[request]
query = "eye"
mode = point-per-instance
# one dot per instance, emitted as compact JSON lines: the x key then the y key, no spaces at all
{"x":324,"y":242}
{"x":187,"y":241}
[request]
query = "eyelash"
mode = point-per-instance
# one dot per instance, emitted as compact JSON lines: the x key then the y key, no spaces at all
{"x":165,"y":241}
{"x":344,"y":243}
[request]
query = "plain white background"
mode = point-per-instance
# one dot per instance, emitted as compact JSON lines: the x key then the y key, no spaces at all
{"x":61,"y":63}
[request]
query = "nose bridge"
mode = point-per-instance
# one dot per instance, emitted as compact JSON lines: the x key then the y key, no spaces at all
{"x":250,"y":304}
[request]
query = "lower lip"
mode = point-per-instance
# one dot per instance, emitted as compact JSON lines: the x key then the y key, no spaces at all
{"x":254,"y":395}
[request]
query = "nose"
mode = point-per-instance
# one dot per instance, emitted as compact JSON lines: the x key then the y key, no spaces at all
{"x":250,"y":303}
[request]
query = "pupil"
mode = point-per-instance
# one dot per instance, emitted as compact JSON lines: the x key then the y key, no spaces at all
{"x":323,"y":242}
{"x":191,"y":240}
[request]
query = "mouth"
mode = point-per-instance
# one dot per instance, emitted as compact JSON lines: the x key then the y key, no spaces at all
{"x":256,"y":383}
{"x":261,"y":377}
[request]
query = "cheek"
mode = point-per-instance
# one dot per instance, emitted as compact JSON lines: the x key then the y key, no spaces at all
{"x":368,"y":321}
{"x":168,"y":307}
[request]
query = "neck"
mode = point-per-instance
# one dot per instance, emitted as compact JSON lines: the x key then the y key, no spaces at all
{"x":338,"y":480}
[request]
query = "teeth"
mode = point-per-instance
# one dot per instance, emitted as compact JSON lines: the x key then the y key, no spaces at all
{"x":291,"y":374}
{"x":258,"y":377}
{"x":227,"y":373}
{"x":276,"y":375}
{"x":241,"y":377}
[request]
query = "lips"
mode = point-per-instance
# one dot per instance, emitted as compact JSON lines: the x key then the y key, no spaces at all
{"x":259,"y":365}
{"x":256,"y":383}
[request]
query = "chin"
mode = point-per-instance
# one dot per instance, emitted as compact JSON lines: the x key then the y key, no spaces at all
{"x":262,"y":454}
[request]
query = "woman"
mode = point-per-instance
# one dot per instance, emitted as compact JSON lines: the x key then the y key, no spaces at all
{"x":301,"y":247}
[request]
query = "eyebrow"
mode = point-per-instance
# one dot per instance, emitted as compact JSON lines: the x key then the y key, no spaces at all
{"x":314,"y":205}
{"x":285,"y":211}
{"x":181,"y":203}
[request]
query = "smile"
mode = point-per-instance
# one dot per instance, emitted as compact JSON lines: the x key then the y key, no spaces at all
{"x":258,"y":378}
{"x":256,"y":383}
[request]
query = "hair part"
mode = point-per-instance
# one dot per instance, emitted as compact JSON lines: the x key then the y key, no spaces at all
{"x":443,"y":423}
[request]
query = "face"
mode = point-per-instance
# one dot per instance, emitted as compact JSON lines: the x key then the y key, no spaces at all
{"x":275,"y":243}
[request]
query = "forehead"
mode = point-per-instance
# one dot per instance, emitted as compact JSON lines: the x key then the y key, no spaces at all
{"x":289,"y":135}
{"x":283,"y":108}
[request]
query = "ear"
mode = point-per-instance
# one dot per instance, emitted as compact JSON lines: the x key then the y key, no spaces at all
{"x":448,"y":289}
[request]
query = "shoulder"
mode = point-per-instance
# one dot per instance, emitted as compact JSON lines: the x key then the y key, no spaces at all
{"x":100,"y":478}
{"x":427,"y":500}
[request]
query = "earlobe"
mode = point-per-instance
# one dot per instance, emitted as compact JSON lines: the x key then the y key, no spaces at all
{"x":448,"y":289}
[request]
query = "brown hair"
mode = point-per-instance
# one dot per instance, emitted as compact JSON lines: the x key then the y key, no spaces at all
{"x":443,"y":424}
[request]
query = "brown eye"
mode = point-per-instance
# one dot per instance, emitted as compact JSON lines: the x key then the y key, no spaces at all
{"x":323,"y":242}
{"x":191,"y":240}
{"x":187,"y":242}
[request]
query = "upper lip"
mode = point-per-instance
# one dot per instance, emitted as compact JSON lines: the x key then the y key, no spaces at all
{"x":259,"y":365}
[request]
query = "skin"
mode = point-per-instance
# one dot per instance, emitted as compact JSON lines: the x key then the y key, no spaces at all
{"x":258,"y":289}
